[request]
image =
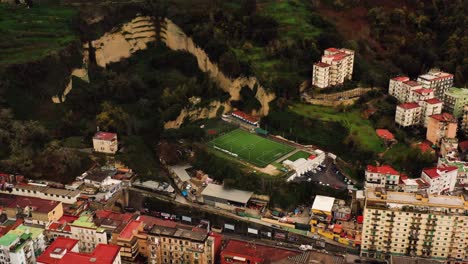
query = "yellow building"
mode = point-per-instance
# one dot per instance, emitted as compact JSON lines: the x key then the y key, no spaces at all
{"x":398,"y":223}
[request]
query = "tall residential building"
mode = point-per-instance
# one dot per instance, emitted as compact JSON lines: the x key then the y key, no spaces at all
{"x":440,"y":126}
{"x":403,"y":89}
{"x":464,"y":123}
{"x":412,"y":224}
{"x":455,"y":100}
{"x":421,"y":95}
{"x":335,"y":67}
{"x":441,"y":179}
{"x":430,"y":107}
{"x":408,"y":114}
{"x":395,"y":86}
{"x":85,"y":230}
{"x":381,"y":176}
{"x":127,"y":239}
{"x":17,"y":249}
{"x":437,"y":80}
{"x":176,"y":245}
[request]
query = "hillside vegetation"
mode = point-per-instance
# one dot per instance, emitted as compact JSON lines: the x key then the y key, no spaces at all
{"x":31,"y":34}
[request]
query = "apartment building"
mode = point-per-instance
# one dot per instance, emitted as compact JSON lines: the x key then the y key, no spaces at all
{"x":441,"y":179}
{"x":17,"y":249}
{"x":440,"y":126}
{"x":381,"y":176}
{"x":462,"y":172}
{"x":437,"y":80}
{"x":421,"y":95}
{"x":464,"y":123}
{"x":176,"y":245}
{"x":127,"y":240}
{"x":408,"y":114}
{"x":105,"y":142}
{"x":335,"y":67}
{"x":432,"y":106}
{"x":87,"y":232}
{"x":403,"y":89}
{"x":412,"y":224}
{"x":455,"y":100}
{"x":61,"y":227}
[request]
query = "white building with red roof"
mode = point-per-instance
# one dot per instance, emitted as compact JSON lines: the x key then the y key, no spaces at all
{"x":381,"y":176}
{"x":408,"y":114}
{"x":440,"y":179}
{"x":438,"y":80}
{"x":421,"y":94}
{"x":335,"y":67}
{"x":105,"y":142}
{"x":402,"y":89}
{"x":245,"y":117}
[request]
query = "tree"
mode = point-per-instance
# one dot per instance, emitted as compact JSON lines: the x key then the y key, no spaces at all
{"x":113,"y":118}
{"x":249,"y":7}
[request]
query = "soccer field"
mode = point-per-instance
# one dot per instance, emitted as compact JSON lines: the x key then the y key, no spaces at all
{"x":250,"y":147}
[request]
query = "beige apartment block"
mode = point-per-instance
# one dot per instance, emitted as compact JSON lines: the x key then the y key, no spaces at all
{"x":418,"y":225}
{"x":440,"y":126}
{"x":408,"y":114}
{"x":335,"y":67}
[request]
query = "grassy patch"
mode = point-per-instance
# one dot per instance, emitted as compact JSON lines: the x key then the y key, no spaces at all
{"x":293,"y":17}
{"x":30,"y":34}
{"x":250,"y":147}
{"x":298,"y":155}
{"x":359,"y":127}
{"x":75,"y":142}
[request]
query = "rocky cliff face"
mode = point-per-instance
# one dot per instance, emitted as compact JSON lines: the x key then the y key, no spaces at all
{"x":198,"y":113}
{"x":135,"y":35}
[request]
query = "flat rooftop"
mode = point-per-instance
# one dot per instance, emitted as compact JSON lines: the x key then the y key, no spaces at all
{"x":47,"y":190}
{"x":404,"y":198}
{"x":37,"y":204}
{"x":181,"y":171}
{"x":323,"y":203}
{"x":179,"y":233}
{"x":234,"y":195}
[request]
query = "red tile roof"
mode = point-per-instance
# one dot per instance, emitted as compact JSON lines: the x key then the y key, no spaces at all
{"x":401,"y":79}
{"x":433,"y":101}
{"x":127,"y":232}
{"x":37,"y":204}
{"x":322,"y":64}
{"x":412,"y":83}
{"x":311,"y":157}
{"x":385,"y":134}
{"x":425,"y":147}
{"x":245,"y":116}
{"x":445,"y":117}
{"x":435,"y":172}
{"x":102,"y":254}
{"x":332,"y":49}
{"x":385,"y":169}
{"x":57,"y":247}
{"x":105,"y":136}
{"x":268,"y":254}
{"x":408,"y":106}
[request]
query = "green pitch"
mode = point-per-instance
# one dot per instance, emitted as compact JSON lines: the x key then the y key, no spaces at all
{"x":250,"y":147}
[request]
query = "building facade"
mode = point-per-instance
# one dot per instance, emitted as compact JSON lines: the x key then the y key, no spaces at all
{"x":105,"y":142}
{"x":440,"y":179}
{"x":464,"y":122}
{"x":440,"y":126}
{"x":335,"y":67}
{"x":86,"y":231}
{"x":455,"y":100}
{"x":408,"y":114}
{"x":399,"y":223}
{"x":438,"y":81}
{"x":432,"y":106}
{"x":381,"y":176}
{"x":174,"y":245}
